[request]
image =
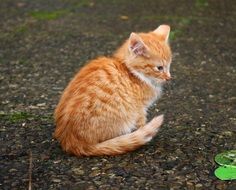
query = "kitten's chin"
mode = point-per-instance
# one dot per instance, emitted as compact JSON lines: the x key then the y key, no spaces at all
{"x":159,"y":82}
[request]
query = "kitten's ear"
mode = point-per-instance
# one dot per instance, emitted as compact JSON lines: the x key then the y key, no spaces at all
{"x":136,"y":45}
{"x":164,"y":31}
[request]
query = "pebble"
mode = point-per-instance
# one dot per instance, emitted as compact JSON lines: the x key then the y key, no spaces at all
{"x":190,"y":185}
{"x":56,"y":180}
{"x":227,"y":133}
{"x":78,"y":171}
{"x":13,"y":170}
{"x":94,"y":173}
{"x":124,"y":17}
{"x":41,"y":104}
{"x":56,"y":161}
{"x":2,"y":129}
{"x":198,"y":186}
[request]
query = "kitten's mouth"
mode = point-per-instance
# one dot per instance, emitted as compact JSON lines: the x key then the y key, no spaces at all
{"x":168,"y":79}
{"x":163,"y":81}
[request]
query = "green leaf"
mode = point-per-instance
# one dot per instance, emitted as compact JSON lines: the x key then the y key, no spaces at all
{"x":225,"y":173}
{"x":227,"y":158}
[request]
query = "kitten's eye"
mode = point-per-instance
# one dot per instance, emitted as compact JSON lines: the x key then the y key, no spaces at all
{"x":160,"y":68}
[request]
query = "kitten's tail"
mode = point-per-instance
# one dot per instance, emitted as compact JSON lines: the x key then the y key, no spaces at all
{"x":124,"y":143}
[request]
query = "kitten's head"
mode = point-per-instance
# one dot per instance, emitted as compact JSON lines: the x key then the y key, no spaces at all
{"x":148,"y":55}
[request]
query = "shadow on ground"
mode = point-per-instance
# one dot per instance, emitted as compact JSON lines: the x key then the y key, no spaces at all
{"x":42,"y":45}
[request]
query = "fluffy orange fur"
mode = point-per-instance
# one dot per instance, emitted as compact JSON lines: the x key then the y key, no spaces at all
{"x":103,"y":109}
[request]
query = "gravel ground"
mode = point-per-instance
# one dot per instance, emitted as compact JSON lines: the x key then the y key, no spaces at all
{"x":42,"y":45}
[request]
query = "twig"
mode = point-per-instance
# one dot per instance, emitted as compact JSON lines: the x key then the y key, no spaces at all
{"x":30,"y":170}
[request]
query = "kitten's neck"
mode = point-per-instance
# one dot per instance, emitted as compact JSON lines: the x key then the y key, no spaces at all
{"x":121,"y":53}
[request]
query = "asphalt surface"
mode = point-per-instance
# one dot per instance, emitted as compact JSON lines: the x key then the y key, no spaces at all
{"x":43,"y":44}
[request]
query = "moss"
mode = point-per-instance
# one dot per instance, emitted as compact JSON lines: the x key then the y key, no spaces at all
{"x":167,"y":17}
{"x":17,"y":30}
{"x":52,"y":15}
{"x":181,"y":23}
{"x":185,"y":21}
{"x":20,"y":29}
{"x":175,"y":33}
{"x":22,"y":62}
{"x":80,"y":2}
{"x":83,"y":3}
{"x":17,"y":117}
{"x":47,"y":118}
{"x":201,"y":3}
{"x":48,"y":15}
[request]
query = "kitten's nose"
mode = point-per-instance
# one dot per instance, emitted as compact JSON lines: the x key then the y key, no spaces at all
{"x":168,"y":77}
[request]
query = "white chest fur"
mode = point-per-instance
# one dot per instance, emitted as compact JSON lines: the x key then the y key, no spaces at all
{"x":157,"y":87}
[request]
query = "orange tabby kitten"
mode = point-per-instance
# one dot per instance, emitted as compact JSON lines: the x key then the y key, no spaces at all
{"x":103,"y":109}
